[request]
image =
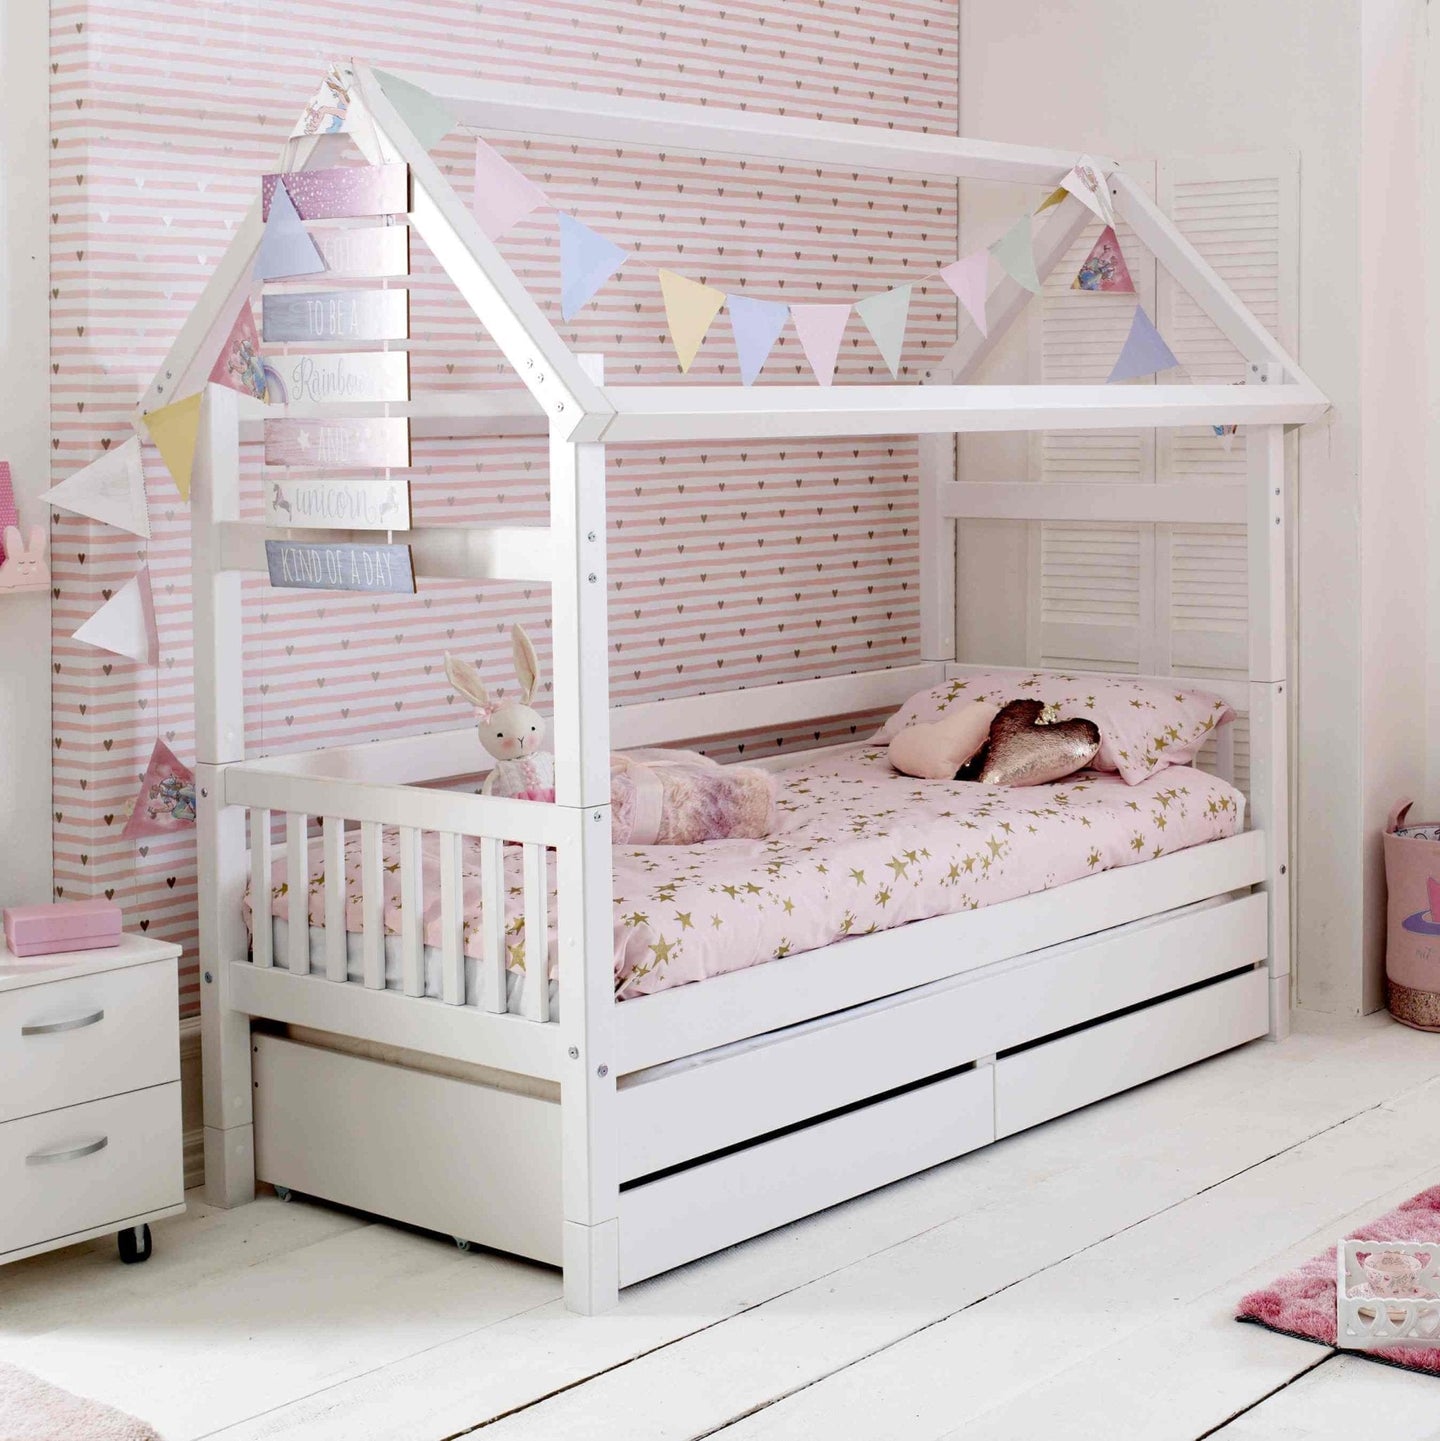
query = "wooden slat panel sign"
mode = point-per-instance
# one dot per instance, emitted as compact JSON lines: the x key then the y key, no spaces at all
{"x":338,"y":504}
{"x":340,"y":375}
{"x":342,"y":191}
{"x":338,"y":444}
{"x":377,"y":569}
{"x":336,"y":315}
{"x":364,"y":252}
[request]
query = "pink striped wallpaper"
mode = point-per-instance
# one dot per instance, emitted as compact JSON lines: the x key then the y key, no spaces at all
{"x":730,"y":564}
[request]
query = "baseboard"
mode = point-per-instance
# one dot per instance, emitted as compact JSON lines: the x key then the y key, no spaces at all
{"x":191,"y":1106}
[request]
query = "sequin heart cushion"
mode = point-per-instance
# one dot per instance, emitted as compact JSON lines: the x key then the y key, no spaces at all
{"x":1023,"y":750}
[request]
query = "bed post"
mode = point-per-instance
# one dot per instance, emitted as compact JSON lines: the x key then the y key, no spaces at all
{"x":1269,"y":697}
{"x":938,"y":468}
{"x":220,"y":739}
{"x":585,"y":927}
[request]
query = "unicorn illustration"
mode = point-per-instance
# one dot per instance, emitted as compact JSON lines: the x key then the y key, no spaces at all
{"x":256,"y":376}
{"x":173,"y":797}
{"x":325,"y":113}
{"x":278,"y":501}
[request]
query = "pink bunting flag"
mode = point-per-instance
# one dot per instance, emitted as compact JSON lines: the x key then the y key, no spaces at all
{"x":9,"y":513}
{"x":1104,"y":269}
{"x":969,"y":278}
{"x":503,"y":196}
{"x":820,"y":328}
{"x":240,"y":364}
{"x":166,"y":802}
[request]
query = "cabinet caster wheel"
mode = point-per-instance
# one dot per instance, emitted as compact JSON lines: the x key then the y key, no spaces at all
{"x":284,"y":1193}
{"x":463,"y":1244}
{"x":135,"y":1244}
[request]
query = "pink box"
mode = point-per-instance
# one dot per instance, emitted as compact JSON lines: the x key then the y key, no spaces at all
{"x":62,"y":926}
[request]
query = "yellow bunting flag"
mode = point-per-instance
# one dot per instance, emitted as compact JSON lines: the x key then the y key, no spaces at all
{"x":1054,"y":198}
{"x":689,"y":309}
{"x":175,"y":429}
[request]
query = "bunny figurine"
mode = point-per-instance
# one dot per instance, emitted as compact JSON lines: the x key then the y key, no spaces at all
{"x":510,"y":730}
{"x":24,"y":569}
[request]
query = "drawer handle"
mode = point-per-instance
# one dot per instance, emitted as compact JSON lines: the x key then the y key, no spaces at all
{"x":67,"y":1153}
{"x":75,"y":1023}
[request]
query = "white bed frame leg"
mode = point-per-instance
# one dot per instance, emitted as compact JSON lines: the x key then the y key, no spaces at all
{"x":585,"y":925}
{"x":1269,"y":687}
{"x":220,"y":739}
{"x":938,"y":468}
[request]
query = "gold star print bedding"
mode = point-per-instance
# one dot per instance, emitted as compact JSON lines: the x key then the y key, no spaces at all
{"x":857,"y":848}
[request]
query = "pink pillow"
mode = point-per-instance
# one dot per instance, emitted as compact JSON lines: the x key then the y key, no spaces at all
{"x":1144,"y":725}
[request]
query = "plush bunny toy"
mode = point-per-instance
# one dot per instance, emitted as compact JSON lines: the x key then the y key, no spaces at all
{"x":510,"y":730}
{"x":24,"y":569}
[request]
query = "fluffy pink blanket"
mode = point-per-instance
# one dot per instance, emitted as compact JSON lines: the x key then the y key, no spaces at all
{"x":680,"y":798}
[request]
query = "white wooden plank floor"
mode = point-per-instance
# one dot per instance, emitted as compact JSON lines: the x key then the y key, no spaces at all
{"x":1073,"y":1282}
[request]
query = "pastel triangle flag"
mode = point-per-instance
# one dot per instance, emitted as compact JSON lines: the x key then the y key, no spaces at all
{"x":757,"y":325}
{"x":125,"y":624}
{"x":241,"y":363}
{"x":110,"y":489}
{"x":430,"y":120}
{"x":1104,"y":269}
{"x":503,"y":195}
{"x":689,"y":309}
{"x":1145,"y":351}
{"x":1016,"y":255}
{"x":969,"y":278}
{"x":885,"y":316}
{"x":174,"y":429}
{"x":820,"y":328}
{"x":286,"y":247}
{"x":166,"y":801}
{"x":1089,"y":186}
{"x":325,"y":114}
{"x":587,"y":261}
{"x":1054,"y":198}
{"x":9,"y":511}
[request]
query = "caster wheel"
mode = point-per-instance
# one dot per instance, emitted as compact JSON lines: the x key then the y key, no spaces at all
{"x":284,"y":1193}
{"x":135,"y":1244}
{"x":463,"y":1244}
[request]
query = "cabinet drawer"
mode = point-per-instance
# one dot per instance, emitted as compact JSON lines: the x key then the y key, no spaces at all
{"x":86,"y":1166}
{"x":64,"y":1042}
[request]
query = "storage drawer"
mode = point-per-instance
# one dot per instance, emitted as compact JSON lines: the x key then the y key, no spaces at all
{"x":63,"y":1042}
{"x":85,"y":1166}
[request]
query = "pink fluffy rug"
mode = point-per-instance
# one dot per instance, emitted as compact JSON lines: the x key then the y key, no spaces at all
{"x":34,"y":1410}
{"x":1302,"y":1302}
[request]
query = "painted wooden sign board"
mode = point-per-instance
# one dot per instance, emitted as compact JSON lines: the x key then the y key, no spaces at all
{"x":342,"y":190}
{"x":336,"y":315}
{"x":364,"y":252}
{"x":375,"y":569}
{"x":338,"y":444}
{"x":340,"y":375}
{"x":373,"y":504}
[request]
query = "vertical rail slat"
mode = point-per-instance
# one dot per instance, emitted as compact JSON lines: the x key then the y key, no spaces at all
{"x":452,"y":921}
{"x":372,"y":900}
{"x":536,"y":998}
{"x":492,"y":922}
{"x":335,"y":938}
{"x":297,"y":880}
{"x":412,"y":914}
{"x":262,"y":938}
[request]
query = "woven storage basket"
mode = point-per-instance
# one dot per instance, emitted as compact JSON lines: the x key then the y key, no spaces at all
{"x":1412,"y":944}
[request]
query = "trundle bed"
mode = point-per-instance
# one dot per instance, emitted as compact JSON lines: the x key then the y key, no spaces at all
{"x":386,"y":1058}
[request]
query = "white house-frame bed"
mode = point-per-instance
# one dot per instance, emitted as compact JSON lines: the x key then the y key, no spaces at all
{"x":620,"y":1140}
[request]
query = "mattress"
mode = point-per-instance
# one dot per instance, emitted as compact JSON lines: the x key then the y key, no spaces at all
{"x":858,"y":849}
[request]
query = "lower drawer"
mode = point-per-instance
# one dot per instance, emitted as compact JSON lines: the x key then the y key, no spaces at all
{"x":85,"y":1166}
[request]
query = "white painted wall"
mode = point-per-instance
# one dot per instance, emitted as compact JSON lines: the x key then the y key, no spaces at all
{"x":24,"y":434}
{"x":1137,"y":78}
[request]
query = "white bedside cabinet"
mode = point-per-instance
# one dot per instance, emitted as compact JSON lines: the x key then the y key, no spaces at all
{"x":89,"y":1097}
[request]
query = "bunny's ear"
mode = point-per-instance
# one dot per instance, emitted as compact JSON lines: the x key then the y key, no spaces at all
{"x":527,"y":667}
{"x":466,"y":679}
{"x":14,"y":542}
{"x":37,"y":541}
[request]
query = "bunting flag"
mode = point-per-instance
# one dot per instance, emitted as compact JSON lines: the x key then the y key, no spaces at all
{"x":125,"y":624}
{"x":969,"y":278}
{"x":885,"y":316}
{"x":325,"y":114}
{"x":587,"y":261}
{"x":1104,"y":269}
{"x":166,"y":801}
{"x":1054,"y":198}
{"x":1016,"y":255}
{"x":175,"y":429}
{"x":820,"y":328}
{"x":689,"y":309}
{"x":757,"y":325}
{"x":111,"y":490}
{"x":286,"y":247}
{"x":1090,"y":188}
{"x":430,"y":120}
{"x":9,"y":511}
{"x":1145,"y":351}
{"x":240,"y":364}
{"x":503,"y":196}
